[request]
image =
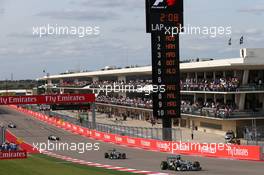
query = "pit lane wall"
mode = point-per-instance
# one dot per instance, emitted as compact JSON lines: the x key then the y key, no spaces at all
{"x":240,"y":152}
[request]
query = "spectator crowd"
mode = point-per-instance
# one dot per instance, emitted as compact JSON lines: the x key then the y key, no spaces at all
{"x":8,"y":147}
{"x":221,"y":84}
{"x":135,"y":83}
{"x":216,"y":109}
{"x":213,"y":109}
{"x":126,"y":101}
{"x":189,"y":84}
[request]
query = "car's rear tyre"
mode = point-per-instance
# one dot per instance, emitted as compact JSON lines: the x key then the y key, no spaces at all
{"x":196,"y":164}
{"x":123,"y":156}
{"x":179,"y":168}
{"x":119,"y":156}
{"x":106,"y":155}
{"x":164,"y":165}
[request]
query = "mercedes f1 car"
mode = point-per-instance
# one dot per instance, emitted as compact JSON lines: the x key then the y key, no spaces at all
{"x":175,"y":163}
{"x":53,"y":138}
{"x":11,"y":125}
{"x":113,"y":154}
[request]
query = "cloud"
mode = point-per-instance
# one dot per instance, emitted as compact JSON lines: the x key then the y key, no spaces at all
{"x":126,"y":29}
{"x":249,"y":31}
{"x":80,"y":15}
{"x":251,"y":34}
{"x":127,"y":4}
{"x":254,"y":10}
{"x":2,"y":11}
{"x":22,"y":35}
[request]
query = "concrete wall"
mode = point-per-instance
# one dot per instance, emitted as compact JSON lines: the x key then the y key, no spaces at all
{"x":226,"y":125}
{"x":252,"y":56}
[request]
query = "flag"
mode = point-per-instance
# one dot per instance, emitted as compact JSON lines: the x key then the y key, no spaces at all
{"x":230,"y":42}
{"x":241,"y":40}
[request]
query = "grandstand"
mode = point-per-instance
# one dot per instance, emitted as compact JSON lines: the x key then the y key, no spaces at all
{"x":216,"y":95}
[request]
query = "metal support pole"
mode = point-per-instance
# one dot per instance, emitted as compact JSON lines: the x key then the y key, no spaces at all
{"x":2,"y":134}
{"x":157,"y":132}
{"x":166,"y":129}
{"x":152,"y":137}
{"x":93,"y":116}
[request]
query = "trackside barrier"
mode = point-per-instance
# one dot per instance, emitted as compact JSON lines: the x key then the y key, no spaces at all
{"x":240,"y":152}
{"x":24,"y":146}
{"x":262,"y":149}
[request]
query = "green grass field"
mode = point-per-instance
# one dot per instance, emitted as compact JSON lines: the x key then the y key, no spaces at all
{"x":44,"y":165}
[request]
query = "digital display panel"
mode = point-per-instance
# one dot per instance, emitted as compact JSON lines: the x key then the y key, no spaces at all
{"x":159,"y":15}
{"x":164,"y":16}
{"x":165,"y":71}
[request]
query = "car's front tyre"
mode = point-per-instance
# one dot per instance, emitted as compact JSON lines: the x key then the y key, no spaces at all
{"x":164,"y":165}
{"x":123,"y":156}
{"x":106,"y":155}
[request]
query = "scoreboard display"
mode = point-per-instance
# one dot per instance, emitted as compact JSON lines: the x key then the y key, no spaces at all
{"x":161,"y":17}
{"x":165,"y":71}
{"x":163,"y":14}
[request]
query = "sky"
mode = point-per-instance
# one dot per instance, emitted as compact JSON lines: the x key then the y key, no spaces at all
{"x":122,"y":39}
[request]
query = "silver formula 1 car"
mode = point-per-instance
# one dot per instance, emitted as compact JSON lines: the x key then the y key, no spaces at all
{"x":175,"y":163}
{"x":113,"y":154}
{"x":11,"y":125}
{"x":53,"y":138}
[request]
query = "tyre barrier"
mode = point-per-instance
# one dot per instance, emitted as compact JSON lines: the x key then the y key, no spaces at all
{"x":227,"y":151}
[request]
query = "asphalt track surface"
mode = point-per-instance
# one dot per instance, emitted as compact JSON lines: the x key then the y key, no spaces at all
{"x":32,"y":130}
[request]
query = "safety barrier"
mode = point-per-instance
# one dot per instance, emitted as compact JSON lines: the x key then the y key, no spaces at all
{"x":240,"y":152}
{"x":262,"y":152}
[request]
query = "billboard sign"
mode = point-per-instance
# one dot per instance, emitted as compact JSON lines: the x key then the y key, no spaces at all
{"x":47,"y":99}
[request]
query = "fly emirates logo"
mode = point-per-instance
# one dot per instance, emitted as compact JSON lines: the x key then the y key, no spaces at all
{"x":56,"y":99}
{"x":12,"y":100}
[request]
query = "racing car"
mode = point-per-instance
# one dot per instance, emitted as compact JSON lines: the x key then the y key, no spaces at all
{"x":229,"y":136}
{"x":113,"y":154}
{"x":53,"y":138}
{"x":11,"y":125}
{"x":177,"y":164}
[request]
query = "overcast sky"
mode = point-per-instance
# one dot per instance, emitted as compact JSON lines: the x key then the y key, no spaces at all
{"x":122,"y":40}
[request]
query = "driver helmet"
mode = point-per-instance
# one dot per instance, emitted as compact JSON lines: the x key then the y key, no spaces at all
{"x":178,"y":157}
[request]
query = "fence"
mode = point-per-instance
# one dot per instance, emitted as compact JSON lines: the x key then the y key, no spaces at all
{"x":252,"y":135}
{"x":141,"y":132}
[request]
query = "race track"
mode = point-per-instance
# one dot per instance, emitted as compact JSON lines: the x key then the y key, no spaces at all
{"x":32,"y":130}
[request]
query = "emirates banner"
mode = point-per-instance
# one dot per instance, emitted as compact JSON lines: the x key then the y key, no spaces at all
{"x":13,"y":155}
{"x":47,"y":99}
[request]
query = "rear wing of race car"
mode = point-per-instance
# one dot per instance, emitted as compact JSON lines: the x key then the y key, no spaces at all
{"x":173,"y":157}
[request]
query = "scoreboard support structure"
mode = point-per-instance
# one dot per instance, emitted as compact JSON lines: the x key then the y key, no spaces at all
{"x":2,"y":134}
{"x":93,"y":115}
{"x":163,"y":17}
